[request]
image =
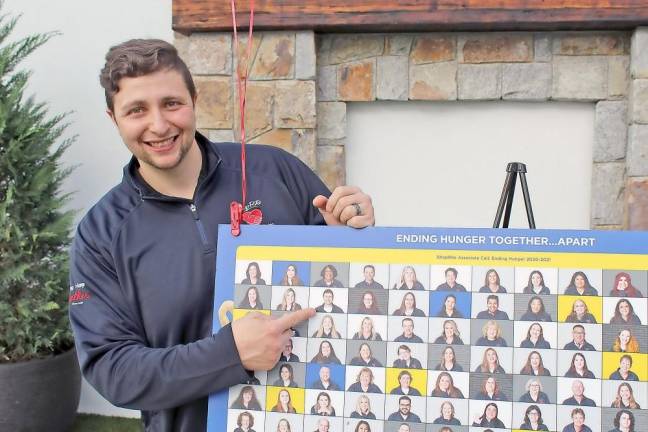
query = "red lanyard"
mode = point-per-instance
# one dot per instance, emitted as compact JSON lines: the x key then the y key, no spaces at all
{"x":242,"y":70}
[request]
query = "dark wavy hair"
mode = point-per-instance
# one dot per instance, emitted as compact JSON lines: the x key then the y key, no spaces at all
{"x":139,"y":57}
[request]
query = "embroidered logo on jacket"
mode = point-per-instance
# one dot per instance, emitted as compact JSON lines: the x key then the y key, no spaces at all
{"x":252,"y":213}
{"x":78,"y":294}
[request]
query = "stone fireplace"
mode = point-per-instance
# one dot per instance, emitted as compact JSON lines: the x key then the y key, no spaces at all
{"x":301,"y":81}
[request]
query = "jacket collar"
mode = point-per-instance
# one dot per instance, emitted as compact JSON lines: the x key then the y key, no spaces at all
{"x":210,"y":161}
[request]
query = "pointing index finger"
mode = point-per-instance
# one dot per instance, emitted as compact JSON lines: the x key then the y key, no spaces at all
{"x":291,"y":319}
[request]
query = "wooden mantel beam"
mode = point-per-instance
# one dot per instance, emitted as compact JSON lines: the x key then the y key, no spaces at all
{"x":412,"y":15}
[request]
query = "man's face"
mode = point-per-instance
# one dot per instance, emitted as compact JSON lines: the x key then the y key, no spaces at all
{"x":323,"y":425}
{"x":404,"y":406}
{"x":155,"y":117}
{"x":369,"y":274}
{"x":325,"y":374}
{"x":578,"y":334}
{"x":578,"y":388}
{"x":450,"y":278}
{"x":408,"y":328}
{"x":492,"y":305}
{"x":287,"y":349}
{"x":328,"y":298}
{"x":404,"y":354}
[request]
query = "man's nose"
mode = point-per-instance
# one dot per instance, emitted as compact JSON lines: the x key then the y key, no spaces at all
{"x":158,"y":123}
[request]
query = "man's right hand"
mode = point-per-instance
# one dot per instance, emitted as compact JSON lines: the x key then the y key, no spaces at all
{"x":260,"y":339}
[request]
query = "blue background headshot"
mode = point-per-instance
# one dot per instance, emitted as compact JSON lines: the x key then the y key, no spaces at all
{"x":437,"y":299}
{"x":279,"y":271}
{"x":337,"y":374}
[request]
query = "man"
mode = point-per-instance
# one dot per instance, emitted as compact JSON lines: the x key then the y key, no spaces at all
{"x":578,"y":340}
{"x":144,"y":255}
{"x":287,"y":354}
{"x":404,"y":412}
{"x":325,"y":383}
{"x":623,"y":372}
{"x":578,"y":396}
{"x":404,"y":427}
{"x":492,"y":311}
{"x":578,"y":422}
{"x":328,"y":306}
{"x":451,"y":281}
{"x":408,"y":332}
{"x":323,"y":425}
{"x":405,"y":359}
{"x":369,"y":272}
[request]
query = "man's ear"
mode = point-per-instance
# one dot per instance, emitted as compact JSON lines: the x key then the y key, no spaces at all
{"x":112,"y":116}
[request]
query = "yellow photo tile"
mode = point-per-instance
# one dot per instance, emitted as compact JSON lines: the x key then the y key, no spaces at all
{"x":276,"y":399}
{"x":417,"y":380}
{"x":570,"y":309}
{"x":612,"y":363}
{"x":240,"y":313}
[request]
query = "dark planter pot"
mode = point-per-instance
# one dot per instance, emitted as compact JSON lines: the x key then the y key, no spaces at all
{"x":40,"y":395}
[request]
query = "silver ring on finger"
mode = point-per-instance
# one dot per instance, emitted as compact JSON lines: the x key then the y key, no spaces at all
{"x":357,"y":208}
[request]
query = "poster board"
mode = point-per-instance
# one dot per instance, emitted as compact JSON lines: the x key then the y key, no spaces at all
{"x":455,"y":307}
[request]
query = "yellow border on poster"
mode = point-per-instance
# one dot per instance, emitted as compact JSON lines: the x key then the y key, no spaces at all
{"x":428,"y":256}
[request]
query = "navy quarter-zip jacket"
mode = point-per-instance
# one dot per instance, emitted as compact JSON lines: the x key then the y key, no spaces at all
{"x":142,"y":280}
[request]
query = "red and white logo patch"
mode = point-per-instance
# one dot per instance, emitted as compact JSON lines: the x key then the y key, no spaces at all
{"x":78,"y":294}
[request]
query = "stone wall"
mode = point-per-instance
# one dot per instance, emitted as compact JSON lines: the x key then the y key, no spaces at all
{"x":280,"y":106}
{"x":300,"y":84}
{"x":637,"y":162}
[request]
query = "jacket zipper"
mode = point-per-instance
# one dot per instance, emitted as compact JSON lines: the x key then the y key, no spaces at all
{"x":199,"y":225}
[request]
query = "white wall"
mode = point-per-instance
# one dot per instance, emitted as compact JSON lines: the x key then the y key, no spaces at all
{"x":65,"y":75}
{"x":444,"y":164}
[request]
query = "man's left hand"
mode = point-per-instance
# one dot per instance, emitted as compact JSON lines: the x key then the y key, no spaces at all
{"x":347,"y":205}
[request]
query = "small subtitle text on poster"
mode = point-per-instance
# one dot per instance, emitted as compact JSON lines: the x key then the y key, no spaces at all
{"x":498,"y":240}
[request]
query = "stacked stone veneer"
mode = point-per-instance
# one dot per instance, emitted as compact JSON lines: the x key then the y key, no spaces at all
{"x":299,"y":84}
{"x":637,"y":157}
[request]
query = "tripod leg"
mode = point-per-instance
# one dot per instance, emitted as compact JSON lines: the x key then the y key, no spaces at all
{"x":509,"y":201}
{"x":527,"y":201}
{"x":509,"y":183}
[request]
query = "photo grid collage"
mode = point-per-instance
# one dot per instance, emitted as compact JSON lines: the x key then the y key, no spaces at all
{"x":447,"y":348}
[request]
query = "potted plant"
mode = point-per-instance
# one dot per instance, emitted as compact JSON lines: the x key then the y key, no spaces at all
{"x":39,"y":373}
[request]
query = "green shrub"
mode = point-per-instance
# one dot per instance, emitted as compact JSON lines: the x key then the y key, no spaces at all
{"x":34,"y":227}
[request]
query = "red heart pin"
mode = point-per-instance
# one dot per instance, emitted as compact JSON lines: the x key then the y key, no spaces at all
{"x":253,"y":217}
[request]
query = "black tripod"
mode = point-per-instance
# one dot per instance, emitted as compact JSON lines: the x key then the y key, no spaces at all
{"x":512,"y":170}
